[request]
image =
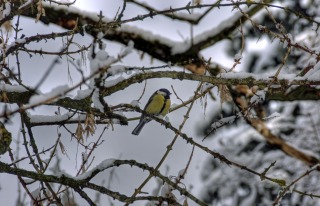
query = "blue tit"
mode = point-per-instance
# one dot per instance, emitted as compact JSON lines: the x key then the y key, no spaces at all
{"x":158,"y":104}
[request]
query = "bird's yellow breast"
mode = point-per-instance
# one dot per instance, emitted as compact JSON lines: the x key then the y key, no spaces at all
{"x":155,"y":105}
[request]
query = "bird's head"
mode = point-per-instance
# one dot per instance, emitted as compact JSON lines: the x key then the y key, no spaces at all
{"x":164,"y":92}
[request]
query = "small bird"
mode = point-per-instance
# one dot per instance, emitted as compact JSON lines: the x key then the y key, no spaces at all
{"x":158,"y":104}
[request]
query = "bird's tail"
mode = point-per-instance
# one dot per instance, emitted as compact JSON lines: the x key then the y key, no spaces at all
{"x":139,"y":127}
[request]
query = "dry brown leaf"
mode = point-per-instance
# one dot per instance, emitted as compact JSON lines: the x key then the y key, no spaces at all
{"x":79,"y":133}
{"x":5,"y":97}
{"x":41,"y":11}
{"x":7,"y":26}
{"x":244,"y":89}
{"x":224,"y":93}
{"x":62,"y":148}
{"x":197,"y":2}
{"x":89,"y":125}
{"x":196,"y":69}
{"x":185,"y":202}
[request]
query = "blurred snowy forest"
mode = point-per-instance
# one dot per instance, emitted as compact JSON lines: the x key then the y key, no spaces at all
{"x":243,"y":127}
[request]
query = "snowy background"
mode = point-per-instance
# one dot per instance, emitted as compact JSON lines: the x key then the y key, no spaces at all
{"x":151,"y":144}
